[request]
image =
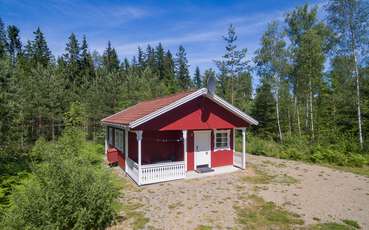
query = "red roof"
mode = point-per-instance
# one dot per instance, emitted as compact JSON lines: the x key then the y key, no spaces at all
{"x":144,"y":108}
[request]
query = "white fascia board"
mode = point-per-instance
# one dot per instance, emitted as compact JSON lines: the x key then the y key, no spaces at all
{"x":233,"y":109}
{"x":169,"y":107}
{"x":113,"y":125}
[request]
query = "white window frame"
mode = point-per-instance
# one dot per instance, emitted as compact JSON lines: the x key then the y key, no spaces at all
{"x":228,"y":140}
{"x":110,"y":136}
{"x":119,"y":138}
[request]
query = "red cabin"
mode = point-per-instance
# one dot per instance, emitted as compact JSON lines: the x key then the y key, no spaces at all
{"x":166,"y":138}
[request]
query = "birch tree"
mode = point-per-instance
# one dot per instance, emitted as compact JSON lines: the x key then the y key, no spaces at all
{"x":349,"y":19}
{"x":271,"y":60}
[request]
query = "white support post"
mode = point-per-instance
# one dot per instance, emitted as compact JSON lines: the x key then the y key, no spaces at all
{"x":106,"y":139}
{"x":139,"y":139}
{"x":244,"y":148}
{"x":184,"y":133}
{"x":125,"y":148}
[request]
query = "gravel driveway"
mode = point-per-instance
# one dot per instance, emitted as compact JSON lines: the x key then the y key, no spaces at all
{"x":318,"y":194}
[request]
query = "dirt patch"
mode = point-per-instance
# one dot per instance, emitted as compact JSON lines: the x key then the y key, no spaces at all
{"x":293,"y":193}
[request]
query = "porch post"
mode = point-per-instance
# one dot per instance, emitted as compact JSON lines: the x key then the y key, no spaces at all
{"x":184,"y":133}
{"x":139,"y":138}
{"x":125,"y":148}
{"x":106,"y":139}
{"x":243,"y":148}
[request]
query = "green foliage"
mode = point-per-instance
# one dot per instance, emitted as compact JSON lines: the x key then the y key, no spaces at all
{"x":301,"y":149}
{"x":66,"y":190}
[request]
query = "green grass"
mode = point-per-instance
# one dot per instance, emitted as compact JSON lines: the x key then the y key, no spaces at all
{"x":262,"y":177}
{"x":352,"y":223}
{"x":259,"y":214}
{"x":203,"y":227}
{"x":330,"y":226}
{"x":363,"y":171}
{"x":137,"y":217}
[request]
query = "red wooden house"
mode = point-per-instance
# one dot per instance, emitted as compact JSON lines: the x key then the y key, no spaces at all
{"x":163,"y":139}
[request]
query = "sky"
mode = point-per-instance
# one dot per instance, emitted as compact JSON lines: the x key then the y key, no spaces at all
{"x":197,"y":25}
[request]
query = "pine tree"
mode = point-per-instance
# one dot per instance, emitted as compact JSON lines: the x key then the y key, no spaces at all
{"x":169,"y":72}
{"x":197,"y":79}
{"x":87,"y":65}
{"x":41,"y":53}
{"x":110,"y":59}
{"x":159,"y":62}
{"x":182,"y":73}
{"x":3,"y":42}
{"x":264,"y":109}
{"x":14,"y":44}
{"x":233,"y":63}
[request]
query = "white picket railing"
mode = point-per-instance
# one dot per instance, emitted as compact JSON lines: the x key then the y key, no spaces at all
{"x":154,"y":173}
{"x":132,"y":169}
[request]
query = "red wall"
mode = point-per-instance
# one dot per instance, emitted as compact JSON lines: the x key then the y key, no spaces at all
{"x":157,"y":146}
{"x":200,"y":113}
{"x":218,"y":158}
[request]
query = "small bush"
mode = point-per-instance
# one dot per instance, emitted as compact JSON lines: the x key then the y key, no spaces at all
{"x":65,"y":190}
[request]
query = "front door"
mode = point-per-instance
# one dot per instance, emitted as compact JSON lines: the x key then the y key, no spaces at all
{"x":202,"y":148}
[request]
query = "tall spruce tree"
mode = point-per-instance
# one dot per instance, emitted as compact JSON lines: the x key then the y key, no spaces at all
{"x":182,"y":73}
{"x":14,"y":45}
{"x":197,"y":79}
{"x":3,"y":42}
{"x":110,"y":59}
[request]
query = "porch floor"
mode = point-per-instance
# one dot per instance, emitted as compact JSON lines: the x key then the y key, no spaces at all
{"x":217,"y":171}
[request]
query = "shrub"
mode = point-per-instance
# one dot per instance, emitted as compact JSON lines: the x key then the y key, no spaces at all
{"x":64,"y":191}
{"x":356,"y":160}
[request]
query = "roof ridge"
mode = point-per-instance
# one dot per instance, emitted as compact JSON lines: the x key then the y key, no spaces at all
{"x":166,"y":96}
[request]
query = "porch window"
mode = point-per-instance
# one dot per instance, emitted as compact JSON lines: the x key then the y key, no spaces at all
{"x":110,"y":135}
{"x":222,"y":140}
{"x":119,"y":139}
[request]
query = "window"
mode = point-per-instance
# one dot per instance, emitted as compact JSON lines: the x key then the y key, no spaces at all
{"x":119,"y":139}
{"x":110,"y":135}
{"x":221,"y":139}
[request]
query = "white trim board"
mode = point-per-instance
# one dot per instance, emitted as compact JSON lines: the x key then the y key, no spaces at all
{"x":188,"y":98}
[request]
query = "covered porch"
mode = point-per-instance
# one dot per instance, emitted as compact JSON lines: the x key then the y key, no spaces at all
{"x":157,"y":156}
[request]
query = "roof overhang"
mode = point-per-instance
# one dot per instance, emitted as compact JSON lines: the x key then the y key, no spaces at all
{"x":188,"y":98}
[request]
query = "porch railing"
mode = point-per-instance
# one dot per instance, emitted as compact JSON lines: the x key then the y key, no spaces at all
{"x":154,"y":173}
{"x":132,"y":169}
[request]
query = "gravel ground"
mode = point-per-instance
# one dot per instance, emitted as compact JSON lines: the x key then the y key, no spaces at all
{"x":316,"y":193}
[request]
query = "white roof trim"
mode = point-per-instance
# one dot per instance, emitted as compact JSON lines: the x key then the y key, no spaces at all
{"x":167,"y":108}
{"x":188,"y":98}
{"x":233,"y":109}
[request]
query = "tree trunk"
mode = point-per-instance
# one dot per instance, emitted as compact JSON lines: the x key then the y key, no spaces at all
{"x":289,"y":121}
{"x":298,"y":116}
{"x":358,"y":100}
{"x":277,"y":110}
{"x":311,"y":110}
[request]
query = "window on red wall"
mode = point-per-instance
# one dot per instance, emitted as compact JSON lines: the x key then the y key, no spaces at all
{"x":222,"y":140}
{"x":119,"y":139}
{"x":110,"y":135}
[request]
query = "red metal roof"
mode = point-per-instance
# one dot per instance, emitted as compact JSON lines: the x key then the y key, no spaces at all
{"x":144,"y":108}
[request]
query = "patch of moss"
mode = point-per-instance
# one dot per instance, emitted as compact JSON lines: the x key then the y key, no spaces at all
{"x":203,"y":227}
{"x":330,"y":226}
{"x":137,"y":217}
{"x":259,"y":214}
{"x":352,"y":223}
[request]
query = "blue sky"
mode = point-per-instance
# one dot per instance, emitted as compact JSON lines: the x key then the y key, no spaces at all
{"x":197,"y":25}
